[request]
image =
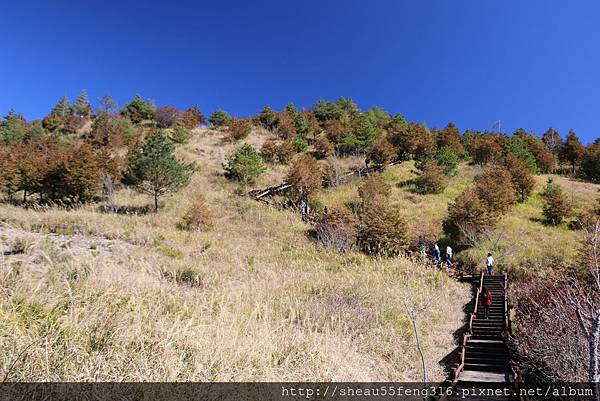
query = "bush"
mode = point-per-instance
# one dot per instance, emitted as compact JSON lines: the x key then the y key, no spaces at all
{"x":167,"y":116}
{"x":244,"y":164}
{"x":277,"y":151}
{"x":467,"y":216}
{"x":305,"y":176}
{"x":139,"y":110}
{"x":179,"y":134}
{"x":495,"y":189}
{"x":382,"y":229}
{"x":381,"y":152}
{"x":556,"y":207}
{"x":337,"y":228}
{"x":323,"y":147}
{"x":238,"y":129}
{"x":219,"y":118}
{"x":431,"y":180}
{"x":374,"y":188}
{"x":197,"y":217}
{"x":445,"y":158}
{"x":300,"y":144}
{"x":268,"y":118}
{"x":192,"y":117}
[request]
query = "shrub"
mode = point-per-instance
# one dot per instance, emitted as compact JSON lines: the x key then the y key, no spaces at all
{"x":244,"y":164}
{"x":155,"y":171}
{"x":431,"y":180}
{"x":381,"y":152}
{"x":192,"y":117}
{"x":268,"y":118}
{"x":219,"y":118}
{"x":167,"y":116}
{"x":305,"y":176}
{"x":285,"y":127}
{"x":179,"y":134}
{"x":556,"y":207}
{"x":277,"y":151}
{"x":300,"y":144}
{"x":197,"y":217}
{"x":268,"y":151}
{"x":467,"y":216}
{"x":334,"y":172}
{"x":337,"y":228}
{"x":522,"y":179}
{"x":139,"y":110}
{"x":323,"y":147}
{"x":495,"y":189}
{"x":374,"y":188}
{"x":382,"y":229}
{"x":238,"y":129}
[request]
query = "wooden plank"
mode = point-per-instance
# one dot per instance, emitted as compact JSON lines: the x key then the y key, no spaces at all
{"x":483,"y":377}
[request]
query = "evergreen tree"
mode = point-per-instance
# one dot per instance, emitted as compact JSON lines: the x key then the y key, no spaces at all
{"x":553,"y":141}
{"x":517,"y":146}
{"x":244,"y":164}
{"x":268,"y":118}
{"x":556,"y":207}
{"x":365,"y":132}
{"x":219,"y":118}
{"x":572,"y":151}
{"x":155,"y":171}
{"x":13,"y":128}
{"x":62,"y":108}
{"x":82,"y":107}
{"x":139,"y":110}
{"x":522,"y":179}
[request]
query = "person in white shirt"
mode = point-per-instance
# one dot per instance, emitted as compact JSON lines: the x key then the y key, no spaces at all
{"x":489,"y":263}
{"x":449,"y":255}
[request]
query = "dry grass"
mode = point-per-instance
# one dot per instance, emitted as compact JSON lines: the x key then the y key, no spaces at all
{"x":526,"y":245}
{"x":252,"y":299}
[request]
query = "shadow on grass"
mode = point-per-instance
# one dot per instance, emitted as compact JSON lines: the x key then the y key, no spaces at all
{"x":126,"y":210}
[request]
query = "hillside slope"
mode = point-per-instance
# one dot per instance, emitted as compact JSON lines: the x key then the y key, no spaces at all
{"x":94,"y":296}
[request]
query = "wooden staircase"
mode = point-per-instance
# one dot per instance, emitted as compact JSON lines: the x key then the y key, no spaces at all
{"x":485,"y":358}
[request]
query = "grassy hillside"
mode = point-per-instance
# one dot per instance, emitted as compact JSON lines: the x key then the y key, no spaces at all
{"x":92,"y":296}
{"x":524,"y":243}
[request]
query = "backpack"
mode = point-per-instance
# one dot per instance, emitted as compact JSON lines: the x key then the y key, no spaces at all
{"x":485,"y":296}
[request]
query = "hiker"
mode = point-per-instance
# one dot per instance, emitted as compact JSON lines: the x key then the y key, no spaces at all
{"x":422,"y":248}
{"x":436,"y":253}
{"x":449,"y":255}
{"x":303,"y":208}
{"x":489,"y":263}
{"x":486,"y":300}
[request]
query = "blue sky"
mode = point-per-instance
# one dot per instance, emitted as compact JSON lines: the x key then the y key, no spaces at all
{"x":531,"y":64}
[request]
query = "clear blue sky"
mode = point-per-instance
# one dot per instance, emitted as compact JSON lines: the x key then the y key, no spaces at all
{"x":531,"y":64}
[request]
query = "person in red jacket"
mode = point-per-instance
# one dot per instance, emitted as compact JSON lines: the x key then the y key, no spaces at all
{"x":486,"y":300}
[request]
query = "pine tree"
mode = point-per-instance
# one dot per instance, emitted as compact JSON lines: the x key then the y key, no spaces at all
{"x":219,"y":118}
{"x":494,"y":187}
{"x":62,"y":108}
{"x":268,"y":118}
{"x":573,"y":150}
{"x":467,"y":215}
{"x":517,"y":146}
{"x":155,"y":171}
{"x":553,"y":141}
{"x":522,"y":179}
{"x":365,"y":132}
{"x":82,"y":107}
{"x":556,"y":207}
{"x":244,"y":164}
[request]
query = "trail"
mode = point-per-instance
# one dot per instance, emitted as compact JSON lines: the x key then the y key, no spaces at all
{"x":485,"y":362}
